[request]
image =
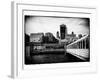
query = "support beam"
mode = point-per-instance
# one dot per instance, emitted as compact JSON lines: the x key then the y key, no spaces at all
{"x":85,"y":43}
{"x":80,"y":44}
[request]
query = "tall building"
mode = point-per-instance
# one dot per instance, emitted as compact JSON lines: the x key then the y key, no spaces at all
{"x":57,"y":35}
{"x":63,"y":31}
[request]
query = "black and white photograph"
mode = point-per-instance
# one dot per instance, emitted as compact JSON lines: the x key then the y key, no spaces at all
{"x":55,"y":39}
{"x":49,"y":40}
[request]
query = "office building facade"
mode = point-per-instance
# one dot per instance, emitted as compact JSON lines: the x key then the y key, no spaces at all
{"x":63,"y":31}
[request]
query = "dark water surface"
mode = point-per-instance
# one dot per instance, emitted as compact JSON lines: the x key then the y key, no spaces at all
{"x":51,"y":57}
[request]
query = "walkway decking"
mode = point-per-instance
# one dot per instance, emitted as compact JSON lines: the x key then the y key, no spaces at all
{"x":80,"y":53}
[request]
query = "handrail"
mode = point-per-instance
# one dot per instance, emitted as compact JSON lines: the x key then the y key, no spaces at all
{"x":78,"y":40}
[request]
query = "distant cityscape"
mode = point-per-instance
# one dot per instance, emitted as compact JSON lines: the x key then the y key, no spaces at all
{"x":61,"y":36}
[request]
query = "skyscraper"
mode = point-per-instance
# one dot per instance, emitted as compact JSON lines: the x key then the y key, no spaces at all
{"x":63,"y":31}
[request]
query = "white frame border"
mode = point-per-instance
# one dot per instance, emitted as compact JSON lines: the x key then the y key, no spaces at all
{"x":18,"y":70}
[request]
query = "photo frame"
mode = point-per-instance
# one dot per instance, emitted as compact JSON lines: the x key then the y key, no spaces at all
{"x":48,"y":15}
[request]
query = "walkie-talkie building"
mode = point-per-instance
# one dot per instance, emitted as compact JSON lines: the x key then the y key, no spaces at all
{"x":63,"y":31}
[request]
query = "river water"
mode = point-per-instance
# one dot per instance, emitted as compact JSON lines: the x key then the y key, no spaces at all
{"x":52,"y":57}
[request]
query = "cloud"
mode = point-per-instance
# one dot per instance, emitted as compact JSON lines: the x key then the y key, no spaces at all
{"x":86,"y":22}
{"x":52,"y":24}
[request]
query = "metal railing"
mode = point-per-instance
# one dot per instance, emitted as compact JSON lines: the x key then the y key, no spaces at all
{"x":82,"y":43}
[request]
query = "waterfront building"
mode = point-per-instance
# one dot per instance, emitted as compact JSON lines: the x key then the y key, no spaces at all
{"x":36,"y":37}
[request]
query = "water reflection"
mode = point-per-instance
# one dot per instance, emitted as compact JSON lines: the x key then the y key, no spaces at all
{"x":52,"y":58}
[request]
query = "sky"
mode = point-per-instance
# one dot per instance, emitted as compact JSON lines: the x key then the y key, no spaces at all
{"x":37,"y":24}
